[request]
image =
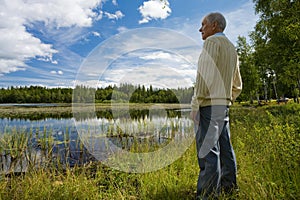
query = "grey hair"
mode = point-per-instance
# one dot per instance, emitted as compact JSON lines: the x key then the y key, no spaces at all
{"x":217,"y":17}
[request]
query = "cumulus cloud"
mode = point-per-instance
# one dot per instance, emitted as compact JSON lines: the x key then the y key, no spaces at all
{"x":61,"y":13}
{"x":117,"y":15}
{"x":154,"y":9}
{"x":11,"y":65}
{"x":17,"y":45}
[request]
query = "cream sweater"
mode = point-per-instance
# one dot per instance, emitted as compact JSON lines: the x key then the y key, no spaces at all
{"x":218,"y":80}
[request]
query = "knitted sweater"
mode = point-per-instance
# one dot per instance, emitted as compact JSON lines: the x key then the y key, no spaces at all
{"x":218,"y":80}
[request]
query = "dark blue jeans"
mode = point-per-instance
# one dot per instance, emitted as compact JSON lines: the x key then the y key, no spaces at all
{"x":216,"y":157}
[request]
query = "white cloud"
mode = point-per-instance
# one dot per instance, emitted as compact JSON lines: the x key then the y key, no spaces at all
{"x":156,"y":74}
{"x":17,"y":45}
{"x":158,"y":55}
{"x":96,"y":34}
{"x":162,"y":47}
{"x":147,"y":67}
{"x":47,"y":59}
{"x":59,"y":72}
{"x":100,"y":15}
{"x":61,"y":13}
{"x":122,"y":29}
{"x":154,"y":9}
{"x":118,"y":15}
{"x":11,"y":65}
{"x":115,"y":2}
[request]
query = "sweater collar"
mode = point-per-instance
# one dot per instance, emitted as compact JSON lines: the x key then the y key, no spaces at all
{"x":219,"y":34}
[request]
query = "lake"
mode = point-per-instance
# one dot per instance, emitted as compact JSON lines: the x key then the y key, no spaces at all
{"x":80,"y":138}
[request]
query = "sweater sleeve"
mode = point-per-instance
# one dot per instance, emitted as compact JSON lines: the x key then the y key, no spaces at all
{"x":237,"y":83}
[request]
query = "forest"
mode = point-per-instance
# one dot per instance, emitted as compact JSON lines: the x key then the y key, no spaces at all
{"x":82,"y":94}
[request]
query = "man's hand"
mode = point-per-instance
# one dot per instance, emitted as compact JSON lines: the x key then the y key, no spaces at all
{"x":194,"y":116}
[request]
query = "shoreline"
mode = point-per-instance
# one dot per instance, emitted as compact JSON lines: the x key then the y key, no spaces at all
{"x":10,"y":110}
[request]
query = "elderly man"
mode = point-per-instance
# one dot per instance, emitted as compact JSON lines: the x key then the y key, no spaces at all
{"x":218,"y":83}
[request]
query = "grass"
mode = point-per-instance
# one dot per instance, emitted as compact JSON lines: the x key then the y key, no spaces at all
{"x":266,"y":141}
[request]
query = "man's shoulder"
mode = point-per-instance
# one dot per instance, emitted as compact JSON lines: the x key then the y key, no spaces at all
{"x":211,"y":40}
{"x":218,"y":40}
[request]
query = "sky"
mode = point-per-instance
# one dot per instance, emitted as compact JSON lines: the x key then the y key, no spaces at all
{"x":62,"y":43}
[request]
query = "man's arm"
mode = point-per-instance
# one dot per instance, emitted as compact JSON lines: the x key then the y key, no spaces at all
{"x":237,"y":83}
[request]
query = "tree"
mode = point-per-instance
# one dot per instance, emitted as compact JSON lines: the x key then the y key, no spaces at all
{"x":277,"y":42}
{"x":249,"y":72}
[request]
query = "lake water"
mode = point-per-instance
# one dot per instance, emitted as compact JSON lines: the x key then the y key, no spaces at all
{"x":77,"y":140}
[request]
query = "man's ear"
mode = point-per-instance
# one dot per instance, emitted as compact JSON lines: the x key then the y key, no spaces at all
{"x":215,"y":25}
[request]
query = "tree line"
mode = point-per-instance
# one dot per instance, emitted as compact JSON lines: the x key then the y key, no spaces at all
{"x":35,"y":94}
{"x":83,"y":94}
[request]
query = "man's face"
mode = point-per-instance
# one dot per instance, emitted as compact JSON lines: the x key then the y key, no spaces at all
{"x":207,"y":29}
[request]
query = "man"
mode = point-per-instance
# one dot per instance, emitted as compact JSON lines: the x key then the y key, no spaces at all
{"x":218,"y":83}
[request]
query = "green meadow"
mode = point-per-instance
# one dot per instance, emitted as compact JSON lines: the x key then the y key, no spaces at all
{"x":266,"y":140}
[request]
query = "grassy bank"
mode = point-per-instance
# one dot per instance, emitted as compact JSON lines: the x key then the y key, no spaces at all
{"x":267,"y":145}
{"x":66,"y":110}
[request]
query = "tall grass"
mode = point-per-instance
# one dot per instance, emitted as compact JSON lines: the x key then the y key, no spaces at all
{"x":266,"y":142}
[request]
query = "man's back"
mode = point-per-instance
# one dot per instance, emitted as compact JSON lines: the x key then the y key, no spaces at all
{"x":226,"y":62}
{"x":217,"y":65}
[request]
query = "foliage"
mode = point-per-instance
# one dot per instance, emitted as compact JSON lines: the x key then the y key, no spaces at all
{"x":267,"y":142}
{"x":277,"y":45}
{"x":270,"y":66}
{"x":35,"y":94}
{"x":248,"y":70}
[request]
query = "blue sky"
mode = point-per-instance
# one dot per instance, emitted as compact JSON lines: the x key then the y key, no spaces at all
{"x":59,"y":43}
